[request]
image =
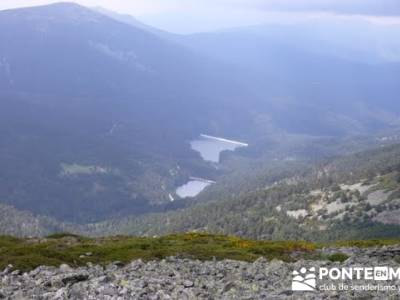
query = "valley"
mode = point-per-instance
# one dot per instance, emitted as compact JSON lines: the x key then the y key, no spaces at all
{"x":231,"y":150}
{"x":117,"y":139}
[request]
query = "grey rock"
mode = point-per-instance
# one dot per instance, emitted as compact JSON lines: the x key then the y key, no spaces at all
{"x":176,"y":278}
{"x":259,"y":277}
{"x":118,"y":263}
{"x":228,"y":287}
{"x":16,"y":272}
{"x":75,"y":292}
{"x":188,"y":284}
{"x":75,"y":277}
{"x":7,"y":270}
{"x":64,"y":268}
{"x":109,"y":291}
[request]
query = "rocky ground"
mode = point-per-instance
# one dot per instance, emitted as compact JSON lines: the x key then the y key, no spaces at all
{"x":175,"y":278}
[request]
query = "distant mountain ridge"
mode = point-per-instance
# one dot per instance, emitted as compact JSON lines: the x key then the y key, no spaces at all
{"x":78,"y":88}
{"x":130,"y":20}
{"x":287,"y":69}
{"x":96,"y":114}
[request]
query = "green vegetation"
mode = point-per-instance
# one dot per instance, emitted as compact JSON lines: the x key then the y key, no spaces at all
{"x":367,"y":243}
{"x":338,"y":257}
{"x":62,"y":235}
{"x":27,"y":254}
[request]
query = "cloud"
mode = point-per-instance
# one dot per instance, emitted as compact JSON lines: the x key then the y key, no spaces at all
{"x":351,"y":7}
{"x":186,"y":16}
{"x":354,"y":7}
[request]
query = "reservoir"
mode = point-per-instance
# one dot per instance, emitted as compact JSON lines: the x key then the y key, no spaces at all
{"x":210,"y":147}
{"x":192,"y":188}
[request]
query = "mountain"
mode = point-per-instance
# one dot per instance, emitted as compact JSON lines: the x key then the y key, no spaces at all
{"x":291,"y":81}
{"x":376,"y":42}
{"x":287,"y":70}
{"x":95,"y":111}
{"x":130,"y":20}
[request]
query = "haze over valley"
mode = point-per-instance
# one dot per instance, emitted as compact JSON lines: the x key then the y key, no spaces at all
{"x":109,"y":125}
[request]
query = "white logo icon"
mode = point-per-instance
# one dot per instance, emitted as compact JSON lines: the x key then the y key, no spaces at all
{"x":305,"y":280}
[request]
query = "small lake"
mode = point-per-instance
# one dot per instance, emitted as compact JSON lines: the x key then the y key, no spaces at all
{"x":210,"y":147}
{"x":192,"y":188}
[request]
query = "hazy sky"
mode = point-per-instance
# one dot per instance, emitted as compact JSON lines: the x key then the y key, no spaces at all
{"x":204,"y":15}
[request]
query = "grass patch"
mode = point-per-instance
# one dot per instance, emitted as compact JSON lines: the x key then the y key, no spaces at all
{"x":338,"y":257}
{"x":366,"y":243}
{"x":66,"y":248}
{"x":63,"y":235}
{"x":27,"y":254}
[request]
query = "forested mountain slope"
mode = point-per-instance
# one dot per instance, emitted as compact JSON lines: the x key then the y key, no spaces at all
{"x":353,"y":197}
